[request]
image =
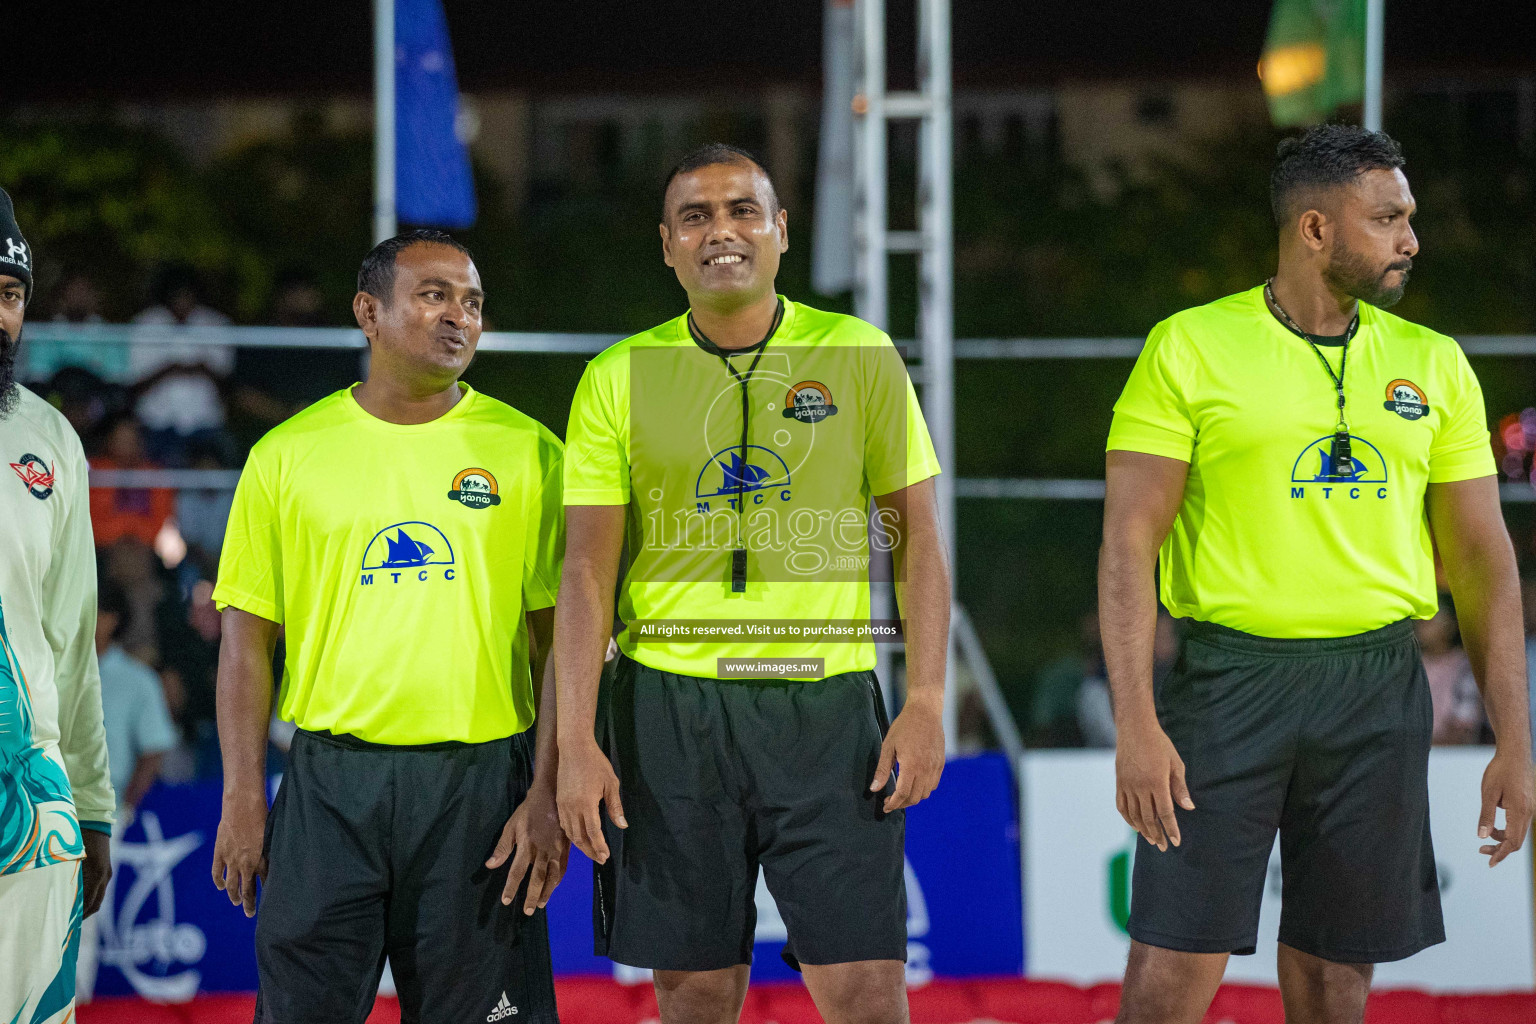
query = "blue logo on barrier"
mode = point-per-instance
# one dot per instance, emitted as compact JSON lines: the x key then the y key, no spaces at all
{"x":167,"y":932}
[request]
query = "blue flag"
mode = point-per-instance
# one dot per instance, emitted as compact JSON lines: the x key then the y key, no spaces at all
{"x":433,"y":183}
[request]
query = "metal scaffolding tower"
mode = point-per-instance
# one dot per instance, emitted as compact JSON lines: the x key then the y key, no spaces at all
{"x":931,"y":106}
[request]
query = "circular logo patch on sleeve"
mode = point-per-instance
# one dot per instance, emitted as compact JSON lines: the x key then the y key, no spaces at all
{"x":475,"y":488}
{"x":1406,"y":398}
{"x":36,"y":474}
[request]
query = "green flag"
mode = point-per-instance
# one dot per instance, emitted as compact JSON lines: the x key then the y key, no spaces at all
{"x":1314,"y":59}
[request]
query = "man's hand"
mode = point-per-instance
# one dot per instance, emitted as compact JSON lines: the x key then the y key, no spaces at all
{"x":1507,"y":784}
{"x":585,"y":780}
{"x":534,"y":832}
{"x":915,"y":742}
{"x":1149,"y":777}
{"x":97,"y":871}
{"x":237,"y":855}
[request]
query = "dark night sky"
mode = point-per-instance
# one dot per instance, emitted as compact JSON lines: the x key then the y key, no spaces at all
{"x":83,"y":50}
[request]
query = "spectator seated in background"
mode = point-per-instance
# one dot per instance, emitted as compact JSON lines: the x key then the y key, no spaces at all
{"x":83,"y":397}
{"x":1452,"y":687}
{"x":178,"y":300}
{"x":297,"y":376}
{"x":296,"y":298}
{"x":126,"y":513}
{"x":128,"y":522}
{"x":188,"y":630}
{"x":138,"y":725}
{"x":1053,"y":706}
{"x":1096,"y":709}
{"x":78,"y":300}
{"x":76,"y":303}
{"x":181,"y":383}
{"x":203,"y":513}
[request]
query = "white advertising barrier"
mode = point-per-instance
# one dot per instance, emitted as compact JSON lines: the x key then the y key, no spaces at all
{"x":1077,"y":883}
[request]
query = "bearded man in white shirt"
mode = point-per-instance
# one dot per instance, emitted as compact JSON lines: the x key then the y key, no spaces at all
{"x":56,"y":799}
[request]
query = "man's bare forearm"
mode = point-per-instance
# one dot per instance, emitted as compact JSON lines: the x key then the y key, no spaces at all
{"x":1486,"y":588}
{"x":923,"y":592}
{"x":1467,"y":521}
{"x":546,"y":711}
{"x":546,"y":750}
{"x":583,"y":623}
{"x":594,"y":541}
{"x":1141,"y":501}
{"x":245,"y":699}
{"x":1128,"y":623}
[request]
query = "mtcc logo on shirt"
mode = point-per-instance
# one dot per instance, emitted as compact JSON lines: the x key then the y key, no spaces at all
{"x":1315,"y":466}
{"x":410,"y":552}
{"x":762,"y":476}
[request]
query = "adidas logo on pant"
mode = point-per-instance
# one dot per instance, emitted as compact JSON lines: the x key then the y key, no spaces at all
{"x":503,"y":1010}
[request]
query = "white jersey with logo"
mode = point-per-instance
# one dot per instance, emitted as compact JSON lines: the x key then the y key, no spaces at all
{"x":53,"y":750}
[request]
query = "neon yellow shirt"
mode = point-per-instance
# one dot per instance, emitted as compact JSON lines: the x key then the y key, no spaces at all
{"x":656,"y":425}
{"x":401,"y":560}
{"x":1270,"y":538}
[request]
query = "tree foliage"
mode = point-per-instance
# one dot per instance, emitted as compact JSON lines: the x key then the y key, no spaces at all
{"x":111,"y":201}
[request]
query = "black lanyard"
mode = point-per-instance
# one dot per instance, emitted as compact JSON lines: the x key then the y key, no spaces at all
{"x":1341,"y":457}
{"x":739,"y":555}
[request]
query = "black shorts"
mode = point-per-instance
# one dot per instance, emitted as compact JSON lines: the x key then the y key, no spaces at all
{"x":719,"y":777}
{"x":1326,"y":741}
{"x":380,"y":851}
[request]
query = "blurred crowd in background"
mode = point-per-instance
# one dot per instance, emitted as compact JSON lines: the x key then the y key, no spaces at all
{"x":169,"y":406}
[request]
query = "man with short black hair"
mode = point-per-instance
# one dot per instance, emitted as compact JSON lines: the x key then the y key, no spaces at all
{"x":738,"y":448}
{"x":406,"y":533}
{"x":56,"y":805}
{"x":1299,"y":454}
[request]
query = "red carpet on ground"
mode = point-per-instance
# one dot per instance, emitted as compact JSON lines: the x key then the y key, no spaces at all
{"x":1003,"y":1000}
